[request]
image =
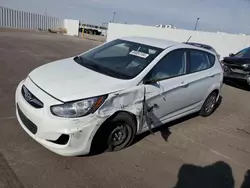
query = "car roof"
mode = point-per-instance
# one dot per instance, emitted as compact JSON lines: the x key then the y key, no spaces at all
{"x":159,"y":43}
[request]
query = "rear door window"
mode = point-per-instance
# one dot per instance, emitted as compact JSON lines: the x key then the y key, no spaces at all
{"x":200,"y":60}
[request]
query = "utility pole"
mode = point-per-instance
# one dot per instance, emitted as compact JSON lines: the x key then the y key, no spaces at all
{"x":196,"y":24}
{"x":46,"y":18}
{"x":114,"y":17}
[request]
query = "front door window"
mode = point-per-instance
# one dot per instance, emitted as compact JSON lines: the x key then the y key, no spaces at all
{"x":172,"y":65}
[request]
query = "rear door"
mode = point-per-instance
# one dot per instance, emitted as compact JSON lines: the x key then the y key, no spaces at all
{"x":200,"y":75}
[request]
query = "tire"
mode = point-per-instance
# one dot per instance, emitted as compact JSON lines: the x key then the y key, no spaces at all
{"x":209,"y":105}
{"x":102,"y":139}
{"x":121,"y":123}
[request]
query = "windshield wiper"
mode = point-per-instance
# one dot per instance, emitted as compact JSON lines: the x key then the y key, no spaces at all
{"x":78,"y":57}
{"x":103,"y":70}
{"x":85,"y":63}
{"x":95,"y":66}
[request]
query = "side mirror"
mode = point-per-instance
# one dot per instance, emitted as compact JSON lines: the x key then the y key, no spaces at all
{"x":231,"y":55}
{"x":149,"y":81}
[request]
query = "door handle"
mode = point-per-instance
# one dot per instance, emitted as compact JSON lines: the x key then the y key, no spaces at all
{"x":211,"y":75}
{"x":184,"y":84}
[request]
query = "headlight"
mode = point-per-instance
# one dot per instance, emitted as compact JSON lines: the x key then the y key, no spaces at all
{"x":78,"y":108}
{"x":246,"y":65}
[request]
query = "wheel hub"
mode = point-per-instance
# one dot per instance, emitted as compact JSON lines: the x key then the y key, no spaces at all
{"x":118,"y":135}
{"x":210,"y":103}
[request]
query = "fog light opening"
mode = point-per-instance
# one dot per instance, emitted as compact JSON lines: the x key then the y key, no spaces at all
{"x":62,"y":140}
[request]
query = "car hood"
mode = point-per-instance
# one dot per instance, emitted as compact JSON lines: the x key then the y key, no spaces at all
{"x":237,"y":60}
{"x":66,"y":80}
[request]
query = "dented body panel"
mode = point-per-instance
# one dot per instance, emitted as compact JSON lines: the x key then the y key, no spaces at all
{"x":130,"y":100}
{"x":80,"y":130}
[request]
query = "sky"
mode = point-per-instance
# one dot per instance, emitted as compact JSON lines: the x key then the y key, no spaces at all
{"x":215,"y":15}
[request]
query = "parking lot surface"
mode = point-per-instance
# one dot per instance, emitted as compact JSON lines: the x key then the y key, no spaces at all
{"x":194,"y":152}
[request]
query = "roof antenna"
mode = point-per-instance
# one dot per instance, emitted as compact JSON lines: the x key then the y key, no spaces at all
{"x":189,"y":38}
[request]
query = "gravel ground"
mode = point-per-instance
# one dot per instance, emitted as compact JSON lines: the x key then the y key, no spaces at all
{"x":193,"y":152}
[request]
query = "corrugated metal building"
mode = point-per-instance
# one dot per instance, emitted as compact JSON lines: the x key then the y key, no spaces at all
{"x":27,"y":20}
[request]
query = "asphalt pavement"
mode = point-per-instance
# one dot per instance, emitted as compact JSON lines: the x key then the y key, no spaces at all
{"x":193,"y":152}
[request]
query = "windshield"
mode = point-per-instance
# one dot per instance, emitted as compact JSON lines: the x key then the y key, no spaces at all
{"x":244,"y":53}
{"x":119,"y":58}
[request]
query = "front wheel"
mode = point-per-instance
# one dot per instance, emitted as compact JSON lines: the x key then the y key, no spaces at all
{"x":121,"y":131}
{"x":209,"y":105}
{"x":115,"y":134}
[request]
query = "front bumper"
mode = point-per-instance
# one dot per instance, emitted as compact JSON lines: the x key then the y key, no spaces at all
{"x":238,"y":77}
{"x":230,"y":73}
{"x":48,"y":129}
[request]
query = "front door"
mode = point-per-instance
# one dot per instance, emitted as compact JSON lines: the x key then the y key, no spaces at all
{"x":168,"y":95}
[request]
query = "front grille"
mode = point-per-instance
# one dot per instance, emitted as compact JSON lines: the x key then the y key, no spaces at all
{"x":240,"y":71}
{"x":231,"y":65}
{"x":230,"y":69}
{"x":28,"y":124}
{"x":31,"y":99}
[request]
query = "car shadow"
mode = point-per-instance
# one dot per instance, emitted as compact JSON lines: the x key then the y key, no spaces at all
{"x":98,"y":147}
{"x":165,"y":133}
{"x":216,"y":175}
{"x":165,"y":129}
{"x":237,"y":84}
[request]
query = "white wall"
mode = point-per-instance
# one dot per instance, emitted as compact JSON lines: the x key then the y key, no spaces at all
{"x":71,"y":26}
{"x":222,"y":42}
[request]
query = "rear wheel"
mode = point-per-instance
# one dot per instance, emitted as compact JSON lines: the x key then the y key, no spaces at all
{"x":209,"y":105}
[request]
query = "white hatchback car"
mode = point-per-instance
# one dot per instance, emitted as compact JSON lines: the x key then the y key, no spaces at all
{"x":113,"y":92}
